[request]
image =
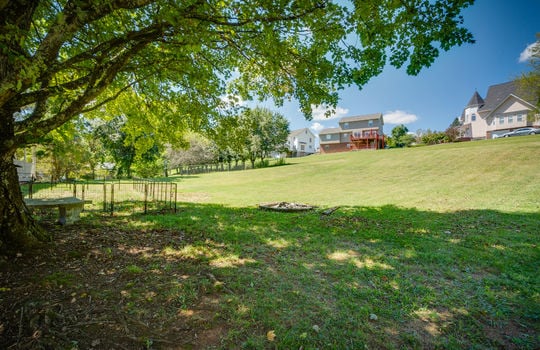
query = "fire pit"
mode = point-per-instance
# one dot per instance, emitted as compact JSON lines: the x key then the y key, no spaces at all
{"x":286,"y":206}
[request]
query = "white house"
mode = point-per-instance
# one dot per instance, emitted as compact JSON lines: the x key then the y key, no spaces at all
{"x":24,"y":170}
{"x":301,"y":142}
{"x":504,"y":109}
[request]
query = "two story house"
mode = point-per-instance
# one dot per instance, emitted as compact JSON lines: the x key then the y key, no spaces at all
{"x":301,"y":142}
{"x":504,"y":109}
{"x":354,"y":133}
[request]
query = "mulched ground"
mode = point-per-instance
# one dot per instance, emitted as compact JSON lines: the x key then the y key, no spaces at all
{"x":108,"y":287}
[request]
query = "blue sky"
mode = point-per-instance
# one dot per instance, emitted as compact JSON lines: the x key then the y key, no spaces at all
{"x":502,"y":29}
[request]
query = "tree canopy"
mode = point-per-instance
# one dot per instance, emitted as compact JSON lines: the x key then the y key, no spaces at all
{"x":529,"y":83}
{"x":177,"y":59}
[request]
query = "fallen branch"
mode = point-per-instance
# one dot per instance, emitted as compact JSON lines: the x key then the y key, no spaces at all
{"x":330,"y":211}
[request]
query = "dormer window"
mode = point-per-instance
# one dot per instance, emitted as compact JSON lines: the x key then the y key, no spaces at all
{"x":473,"y":117}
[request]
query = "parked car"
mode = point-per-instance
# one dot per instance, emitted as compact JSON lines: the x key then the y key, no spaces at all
{"x":522,"y":132}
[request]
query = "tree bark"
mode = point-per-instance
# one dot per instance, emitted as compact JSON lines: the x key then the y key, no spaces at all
{"x":18,"y":230}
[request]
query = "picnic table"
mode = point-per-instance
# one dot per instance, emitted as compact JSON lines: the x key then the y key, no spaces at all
{"x":69,"y":208}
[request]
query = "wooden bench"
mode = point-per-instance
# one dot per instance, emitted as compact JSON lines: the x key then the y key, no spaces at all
{"x":69,"y":207}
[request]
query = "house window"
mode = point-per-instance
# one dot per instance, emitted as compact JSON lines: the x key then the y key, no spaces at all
{"x":501,"y":119}
{"x":519,"y":118}
{"x":370,"y":122}
{"x":310,"y":139}
{"x":345,"y":125}
{"x":328,"y":137}
{"x":473,"y":117}
{"x":510,"y":119}
{"x":327,"y":146}
{"x":302,"y":148}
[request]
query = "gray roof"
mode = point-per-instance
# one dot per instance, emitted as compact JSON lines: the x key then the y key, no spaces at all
{"x":329,"y":131}
{"x":475,"y":101}
{"x":298,"y":132}
{"x":497,"y":94}
{"x":361,"y":117}
{"x":500,"y":92}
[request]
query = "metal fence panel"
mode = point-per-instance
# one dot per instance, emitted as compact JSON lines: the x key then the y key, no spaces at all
{"x":110,"y":196}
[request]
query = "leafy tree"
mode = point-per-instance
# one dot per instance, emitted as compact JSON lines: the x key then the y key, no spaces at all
{"x":271,"y":130}
{"x":92,"y":144}
{"x":434,"y":137}
{"x":401,"y":137}
{"x":196,"y":150}
{"x":262,"y":132}
{"x":452,"y":132}
{"x":529,"y":83}
{"x":231,"y":137}
{"x":63,"y":58}
{"x":149,"y":164}
{"x":116,"y":144}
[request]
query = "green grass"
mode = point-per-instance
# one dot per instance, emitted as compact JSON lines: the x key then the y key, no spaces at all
{"x":466,"y":279}
{"x":495,"y":174}
{"x":433,"y":247}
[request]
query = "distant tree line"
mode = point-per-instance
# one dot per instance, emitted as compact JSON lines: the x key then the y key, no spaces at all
{"x":113,"y":147}
{"x":401,"y":137}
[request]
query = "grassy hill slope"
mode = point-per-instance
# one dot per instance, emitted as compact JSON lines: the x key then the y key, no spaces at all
{"x":497,"y":174}
{"x":433,"y":248}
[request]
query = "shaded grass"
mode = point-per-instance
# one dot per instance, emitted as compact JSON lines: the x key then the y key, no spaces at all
{"x":450,"y":280}
{"x":212,"y":276}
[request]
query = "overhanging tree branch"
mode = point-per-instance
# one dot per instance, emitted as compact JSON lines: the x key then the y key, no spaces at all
{"x":39,"y":127}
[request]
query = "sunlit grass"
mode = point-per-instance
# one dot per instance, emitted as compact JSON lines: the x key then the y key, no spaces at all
{"x":495,"y":174}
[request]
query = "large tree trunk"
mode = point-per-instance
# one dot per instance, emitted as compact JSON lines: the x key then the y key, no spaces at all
{"x":18,"y":230}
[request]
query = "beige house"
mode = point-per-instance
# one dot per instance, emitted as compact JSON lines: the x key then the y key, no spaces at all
{"x":503,"y":110}
{"x":301,"y":142}
{"x":354,"y":133}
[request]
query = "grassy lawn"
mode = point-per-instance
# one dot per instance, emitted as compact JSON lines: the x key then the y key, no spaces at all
{"x":431,"y":247}
{"x":499,"y":174}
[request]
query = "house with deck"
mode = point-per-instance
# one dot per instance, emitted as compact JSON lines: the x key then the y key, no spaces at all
{"x":354,"y":133}
{"x":504,"y":109}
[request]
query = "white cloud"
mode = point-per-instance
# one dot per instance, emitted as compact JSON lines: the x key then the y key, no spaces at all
{"x":319,"y":112}
{"x":399,"y":117}
{"x":316,"y":127}
{"x":527,"y":53}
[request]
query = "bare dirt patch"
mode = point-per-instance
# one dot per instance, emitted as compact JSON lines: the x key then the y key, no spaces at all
{"x":108,"y":287}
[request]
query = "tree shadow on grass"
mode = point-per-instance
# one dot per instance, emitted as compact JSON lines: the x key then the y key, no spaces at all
{"x":214,"y":276}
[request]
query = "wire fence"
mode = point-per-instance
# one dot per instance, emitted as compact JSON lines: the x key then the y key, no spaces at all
{"x":110,"y":197}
